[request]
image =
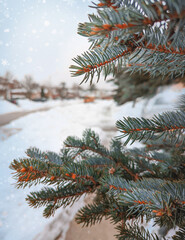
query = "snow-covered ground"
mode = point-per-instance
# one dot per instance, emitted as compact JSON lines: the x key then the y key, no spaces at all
{"x":25,"y":105}
{"x":47,"y":130}
{"x":6,"y":107}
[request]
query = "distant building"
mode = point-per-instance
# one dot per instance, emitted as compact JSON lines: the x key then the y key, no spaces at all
{"x":7,"y":86}
{"x":18,"y":93}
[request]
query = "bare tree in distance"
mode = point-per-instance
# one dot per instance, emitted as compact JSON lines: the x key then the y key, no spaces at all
{"x":62,"y":90}
{"x":6,"y":82}
{"x":8,"y":76}
{"x":76,"y":89}
{"x":29,"y":84}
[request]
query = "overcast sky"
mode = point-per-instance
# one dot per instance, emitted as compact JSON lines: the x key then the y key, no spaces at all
{"x":39,"y":37}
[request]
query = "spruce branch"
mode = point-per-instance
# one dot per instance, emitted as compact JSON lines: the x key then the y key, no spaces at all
{"x":134,"y":31}
{"x":82,"y":173}
{"x":132,"y":85}
{"x":53,"y":199}
{"x":146,"y":56}
{"x":131,"y":19}
{"x":97,"y":61}
{"x":147,"y":36}
{"x":47,"y":156}
{"x":123,"y":18}
{"x":179,"y":234}
{"x":161,"y":165}
{"x":165,"y":143}
{"x":133,"y":232}
{"x":100,"y":162}
{"x":163,"y":202}
{"x":107,"y":4}
{"x":150,"y":156}
{"x":92,"y":214}
{"x":88,"y":146}
{"x":158,"y":64}
{"x":30,"y":172}
{"x":169,"y":124}
{"x":181,"y":103}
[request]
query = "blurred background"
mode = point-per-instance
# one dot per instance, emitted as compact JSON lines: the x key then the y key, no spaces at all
{"x":40,"y":105}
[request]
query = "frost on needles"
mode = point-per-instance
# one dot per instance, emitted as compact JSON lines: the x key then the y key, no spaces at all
{"x":143,"y":37}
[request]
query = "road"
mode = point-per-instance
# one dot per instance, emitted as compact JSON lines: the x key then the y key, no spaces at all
{"x":104,"y":230}
{"x":8,"y":117}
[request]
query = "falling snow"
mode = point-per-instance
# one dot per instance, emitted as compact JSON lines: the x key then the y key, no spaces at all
{"x":46,"y":23}
{"x":4,"y":62}
{"x":29,"y":60}
{"x":34,"y":31}
{"x":31,"y":49}
{"x":41,"y":33}
{"x":7,"y":30}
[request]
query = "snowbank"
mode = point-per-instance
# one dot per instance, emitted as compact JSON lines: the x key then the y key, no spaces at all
{"x":27,"y":105}
{"x":47,"y":130}
{"x":165,"y":100}
{"x":7,"y":107}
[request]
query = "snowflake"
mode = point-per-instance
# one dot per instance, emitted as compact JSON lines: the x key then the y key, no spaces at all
{"x":4,"y":62}
{"x":34,"y":31}
{"x":69,"y":2}
{"x":7,"y":15}
{"x":54,"y":31}
{"x":40,"y":68}
{"x":29,"y":60}
{"x":7,"y":30}
{"x":46,"y":23}
{"x":47,"y":44}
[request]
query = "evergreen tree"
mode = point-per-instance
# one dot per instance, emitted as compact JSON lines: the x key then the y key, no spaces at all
{"x":42,"y":93}
{"x":130,"y":86}
{"x":147,"y":35}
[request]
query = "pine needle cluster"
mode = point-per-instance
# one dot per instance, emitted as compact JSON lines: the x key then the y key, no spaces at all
{"x":130,"y":185}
